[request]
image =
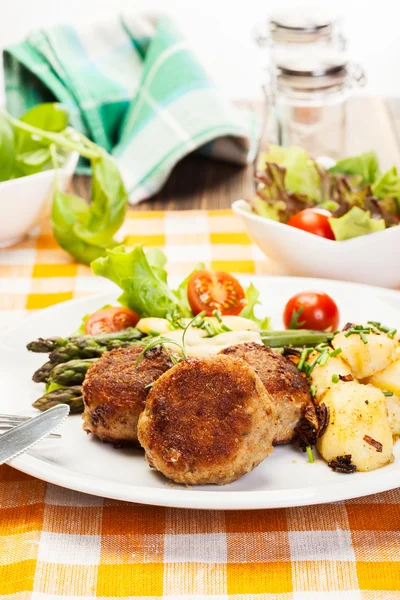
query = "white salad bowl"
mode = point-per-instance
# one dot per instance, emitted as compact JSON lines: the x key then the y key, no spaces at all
{"x":23,"y":201}
{"x":372,"y":258}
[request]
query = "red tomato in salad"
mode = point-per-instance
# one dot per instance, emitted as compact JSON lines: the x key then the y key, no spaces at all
{"x":313,"y":220}
{"x":311,"y":310}
{"x":215,"y":290}
{"x":113,"y":318}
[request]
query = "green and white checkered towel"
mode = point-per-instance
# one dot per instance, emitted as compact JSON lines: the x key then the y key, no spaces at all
{"x":133,"y":86}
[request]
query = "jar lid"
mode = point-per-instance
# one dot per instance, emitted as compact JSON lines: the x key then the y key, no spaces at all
{"x":301,"y":27}
{"x":312,"y":70}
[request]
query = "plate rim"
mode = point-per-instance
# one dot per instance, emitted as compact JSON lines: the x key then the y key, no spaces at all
{"x":193,"y":498}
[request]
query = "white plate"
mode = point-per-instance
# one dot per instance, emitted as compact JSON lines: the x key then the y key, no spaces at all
{"x":80,"y":462}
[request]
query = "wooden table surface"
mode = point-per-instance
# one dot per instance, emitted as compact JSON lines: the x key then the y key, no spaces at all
{"x":201,"y":183}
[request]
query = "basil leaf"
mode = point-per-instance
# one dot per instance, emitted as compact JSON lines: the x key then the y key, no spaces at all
{"x":48,"y":116}
{"x":67,"y":211}
{"x":86,"y":230}
{"x":33,"y":161}
{"x":7,"y":150}
{"x":108,"y":204}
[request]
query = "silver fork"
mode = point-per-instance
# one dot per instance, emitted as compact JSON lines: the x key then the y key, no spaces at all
{"x":9,"y":421}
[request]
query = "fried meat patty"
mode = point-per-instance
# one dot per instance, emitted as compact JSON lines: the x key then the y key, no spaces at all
{"x":114,"y":391}
{"x":207,"y":420}
{"x":288,"y":388}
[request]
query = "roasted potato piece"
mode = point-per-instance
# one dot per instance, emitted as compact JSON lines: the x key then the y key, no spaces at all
{"x":366,"y":359}
{"x":393,"y":409}
{"x":321,"y":376}
{"x":388,"y":380}
{"x":358,"y":425}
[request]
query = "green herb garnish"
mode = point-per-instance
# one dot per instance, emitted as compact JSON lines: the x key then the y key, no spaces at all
{"x":335,"y":352}
{"x":310,"y":454}
{"x":313,"y":390}
{"x":335,"y":378}
{"x":294,"y":319}
{"x":388,"y":394}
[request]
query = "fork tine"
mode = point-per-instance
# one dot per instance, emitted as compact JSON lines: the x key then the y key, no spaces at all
{"x":10,"y":421}
{"x":14,"y":417}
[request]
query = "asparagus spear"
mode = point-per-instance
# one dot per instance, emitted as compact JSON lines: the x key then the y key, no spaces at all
{"x":295,"y":337}
{"x":43,"y":373}
{"x":71,"y":396}
{"x":103,"y":339}
{"x":70,"y":373}
{"x":86,"y":349}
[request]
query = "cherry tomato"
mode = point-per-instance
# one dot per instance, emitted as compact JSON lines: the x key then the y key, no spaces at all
{"x":313,"y":220}
{"x":311,"y":310}
{"x":113,"y":318}
{"x":215,"y":290}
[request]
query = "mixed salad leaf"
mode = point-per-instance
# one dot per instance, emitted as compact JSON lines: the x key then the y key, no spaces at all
{"x":143,"y":280}
{"x":359,"y":196}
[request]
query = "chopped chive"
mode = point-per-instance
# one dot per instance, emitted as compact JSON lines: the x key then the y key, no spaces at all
{"x":313,"y":390}
{"x":335,"y":352}
{"x":321,"y":346}
{"x":362,"y":336}
{"x":307,"y":368}
{"x":323,"y":359}
{"x":217,"y":315}
{"x":148,"y":386}
{"x":209,"y":329}
{"x":153,"y":332}
{"x":392,"y":333}
{"x":303,"y":356}
{"x":335,"y":378}
{"x":225,"y":327}
{"x":388,"y":394}
{"x":310,"y":454}
{"x":374,"y":323}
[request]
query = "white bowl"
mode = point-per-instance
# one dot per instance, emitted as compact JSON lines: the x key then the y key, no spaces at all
{"x":372,"y":258}
{"x":23,"y":201}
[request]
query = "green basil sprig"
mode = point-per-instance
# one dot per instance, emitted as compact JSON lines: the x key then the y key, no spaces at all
{"x":40,"y":140}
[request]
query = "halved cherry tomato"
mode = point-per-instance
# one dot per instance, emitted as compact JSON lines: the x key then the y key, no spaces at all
{"x":311,"y":310}
{"x":113,"y":318}
{"x":313,"y":220}
{"x":215,"y":290}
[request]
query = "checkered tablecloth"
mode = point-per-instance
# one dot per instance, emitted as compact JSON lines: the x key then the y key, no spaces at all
{"x":55,"y":543}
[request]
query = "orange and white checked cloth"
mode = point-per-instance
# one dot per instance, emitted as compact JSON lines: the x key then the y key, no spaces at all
{"x":55,"y":543}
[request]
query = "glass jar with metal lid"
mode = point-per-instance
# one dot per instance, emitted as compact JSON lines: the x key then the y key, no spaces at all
{"x":309,"y":100}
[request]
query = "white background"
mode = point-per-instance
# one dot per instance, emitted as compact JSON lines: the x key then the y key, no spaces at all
{"x":221,"y":32}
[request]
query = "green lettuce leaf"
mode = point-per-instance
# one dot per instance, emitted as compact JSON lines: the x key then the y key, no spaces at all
{"x":388,"y":186}
{"x":301,"y":176}
{"x":145,"y":289}
{"x":354,"y":223}
{"x":365,"y":165}
{"x":252,"y":297}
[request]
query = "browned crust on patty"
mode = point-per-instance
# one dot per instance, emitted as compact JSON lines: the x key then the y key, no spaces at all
{"x":287,"y":386}
{"x":202,"y":415}
{"x":114,"y":391}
